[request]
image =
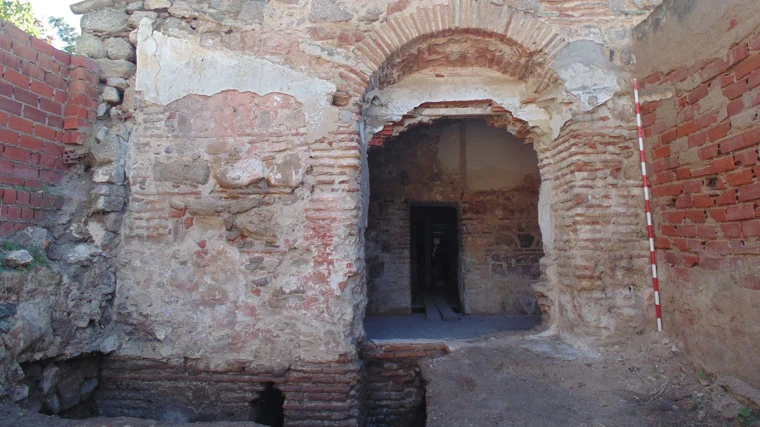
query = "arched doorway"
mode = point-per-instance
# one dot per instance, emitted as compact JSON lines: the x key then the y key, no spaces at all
{"x":453,"y":219}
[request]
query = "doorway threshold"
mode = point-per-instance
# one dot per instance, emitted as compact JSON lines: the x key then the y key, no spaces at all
{"x":416,"y":326}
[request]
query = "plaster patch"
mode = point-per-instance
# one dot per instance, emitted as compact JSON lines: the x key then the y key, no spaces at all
{"x":587,"y":73}
{"x":395,"y":101}
{"x":170,"y":68}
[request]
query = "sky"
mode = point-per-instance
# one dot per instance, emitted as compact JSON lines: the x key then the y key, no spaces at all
{"x":57,"y":8}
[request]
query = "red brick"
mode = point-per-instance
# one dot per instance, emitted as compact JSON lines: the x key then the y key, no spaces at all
{"x":36,"y":200}
{"x":667,"y":190}
{"x":731,"y":230}
{"x":22,"y":198}
{"x":687,"y":231}
{"x":5,"y":43}
{"x":746,"y":158}
{"x":63,"y":57}
{"x":669,"y":137}
{"x":722,"y":164}
{"x":707,"y":170}
{"x":20,"y":124}
{"x":27,"y":214}
{"x":684,"y":201}
{"x":83,"y":61}
{"x":747,"y":66}
{"x":718,"y":248}
{"x":30,"y":143}
{"x":9,"y":137}
{"x":665,"y":164}
{"x":36,"y":115}
{"x":9,"y":196}
{"x":16,"y":154}
{"x":749,"y":192}
{"x":661,"y":152}
{"x":668,"y":230}
{"x":753,"y":80}
{"x":739,"y":212}
{"x":13,"y":212}
{"x":683,"y":173}
{"x":53,"y":149}
{"x":751,"y":228}
{"x":706,"y":231}
{"x":697,"y":217}
{"x":698,"y":93}
{"x":33,"y":71}
{"x":693,"y":186}
{"x":6,"y":89}
{"x":719,"y":131}
{"x":51,"y":106}
{"x":662,"y":243}
{"x":27,"y":97}
{"x":663,"y":178}
{"x":25,"y":52}
{"x":686,"y":129}
{"x":736,"y":89}
{"x":739,"y":141}
{"x":740,"y":177}
{"x":25,"y":172}
{"x":42,"y":46}
{"x":697,"y":139}
{"x":727,"y":198}
{"x":735,"y":107}
{"x":703,"y":201}
{"x":719,"y":215}
{"x":712,"y":70}
{"x":675,"y":217}
{"x":10,"y":106}
{"x":55,"y":81}
{"x":738,"y":53}
{"x":47,"y":161}
{"x":708,"y":152}
{"x":41,"y":89}
{"x":6,"y":167}
{"x":16,"y":78}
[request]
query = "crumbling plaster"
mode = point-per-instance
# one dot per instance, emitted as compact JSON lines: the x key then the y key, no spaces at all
{"x":171,"y":68}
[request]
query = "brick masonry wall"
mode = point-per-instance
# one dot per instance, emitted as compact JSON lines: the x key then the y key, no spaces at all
{"x":702,"y":141}
{"x":394,"y":388}
{"x":48,"y":99}
{"x":497,"y":267}
{"x":192,"y":390}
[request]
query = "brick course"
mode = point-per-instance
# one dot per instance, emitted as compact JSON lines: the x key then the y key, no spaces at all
{"x":39,"y":86}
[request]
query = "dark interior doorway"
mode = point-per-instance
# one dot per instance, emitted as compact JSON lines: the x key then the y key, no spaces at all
{"x":435,"y":256}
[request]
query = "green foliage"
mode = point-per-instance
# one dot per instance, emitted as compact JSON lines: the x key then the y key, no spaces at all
{"x":745,"y":417}
{"x":39,"y":256}
{"x":20,"y":14}
{"x":702,"y":375}
{"x":66,"y":32}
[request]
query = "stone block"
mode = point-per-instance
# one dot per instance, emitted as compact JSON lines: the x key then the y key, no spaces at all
{"x":186,"y":172}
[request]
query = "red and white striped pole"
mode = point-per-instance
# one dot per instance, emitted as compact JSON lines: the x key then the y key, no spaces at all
{"x":650,"y":227}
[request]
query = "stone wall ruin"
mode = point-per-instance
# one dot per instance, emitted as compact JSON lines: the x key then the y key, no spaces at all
{"x":232,"y":137}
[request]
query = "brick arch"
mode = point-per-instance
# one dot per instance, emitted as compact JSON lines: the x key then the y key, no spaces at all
{"x":535,"y":39}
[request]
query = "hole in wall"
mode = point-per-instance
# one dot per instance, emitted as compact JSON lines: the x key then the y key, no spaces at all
{"x":268,"y":408}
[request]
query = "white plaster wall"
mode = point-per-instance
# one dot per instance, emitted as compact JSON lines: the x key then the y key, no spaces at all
{"x":170,"y":68}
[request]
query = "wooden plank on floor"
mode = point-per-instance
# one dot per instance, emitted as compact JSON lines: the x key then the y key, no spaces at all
{"x":446,"y":311}
{"x":431,"y":310}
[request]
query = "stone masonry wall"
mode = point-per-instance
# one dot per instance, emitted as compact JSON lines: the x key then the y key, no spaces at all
{"x":47,"y":99}
{"x":499,"y":233}
{"x":56,"y":282}
{"x":702,"y":136}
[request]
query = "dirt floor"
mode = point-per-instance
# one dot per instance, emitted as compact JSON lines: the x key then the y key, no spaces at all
{"x":524,"y":380}
{"x":531,"y":381}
